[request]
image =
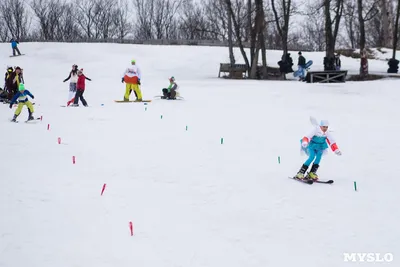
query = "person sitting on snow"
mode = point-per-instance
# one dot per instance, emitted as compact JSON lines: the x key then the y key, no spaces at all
{"x":171,"y":91}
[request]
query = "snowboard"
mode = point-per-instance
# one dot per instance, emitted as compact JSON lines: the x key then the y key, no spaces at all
{"x":297,"y":72}
{"x":17,"y":55}
{"x":132,"y":101}
{"x":177,"y":98}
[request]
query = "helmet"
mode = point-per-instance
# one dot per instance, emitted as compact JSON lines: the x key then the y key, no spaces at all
{"x":324,"y":123}
{"x":172,"y":78}
{"x":133,"y":61}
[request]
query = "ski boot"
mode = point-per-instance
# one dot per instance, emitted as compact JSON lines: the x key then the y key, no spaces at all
{"x":300,"y":174}
{"x":30,"y":117}
{"x":312,"y":175}
{"x":14,"y":119}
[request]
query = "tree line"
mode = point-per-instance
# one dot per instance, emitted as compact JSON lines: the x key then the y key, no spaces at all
{"x":310,"y":25}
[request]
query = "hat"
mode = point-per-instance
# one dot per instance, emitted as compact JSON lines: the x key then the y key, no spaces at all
{"x":133,"y":61}
{"x":172,"y":78}
{"x":324,"y":123}
{"x":21,"y":87}
{"x":299,"y":53}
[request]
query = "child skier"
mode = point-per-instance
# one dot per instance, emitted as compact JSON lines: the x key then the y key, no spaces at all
{"x":171,"y":91}
{"x":80,"y":89}
{"x":22,"y":97}
{"x":314,"y":145}
{"x":73,"y":77}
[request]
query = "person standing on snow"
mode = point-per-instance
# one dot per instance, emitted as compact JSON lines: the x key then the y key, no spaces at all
{"x":131,"y":77}
{"x":301,"y":64}
{"x":171,"y":91}
{"x":13,"y":82}
{"x":80,"y":89}
{"x":314,"y":145}
{"x":22,"y":97}
{"x":73,"y":77}
{"x":14,"y":46}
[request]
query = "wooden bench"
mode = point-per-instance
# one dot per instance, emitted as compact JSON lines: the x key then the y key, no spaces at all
{"x":332,"y":76}
{"x":236,"y":71}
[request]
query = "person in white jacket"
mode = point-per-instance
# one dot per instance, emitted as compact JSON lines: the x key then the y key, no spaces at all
{"x":131,"y":77}
{"x":314,"y":145}
{"x":73,"y":77}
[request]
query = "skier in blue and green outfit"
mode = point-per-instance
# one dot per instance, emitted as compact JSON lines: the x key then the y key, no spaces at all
{"x":171,"y":92}
{"x":22,"y":97}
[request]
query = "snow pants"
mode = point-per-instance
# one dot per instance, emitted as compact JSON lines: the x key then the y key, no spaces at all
{"x":21,"y":105}
{"x":15,"y":49}
{"x":79,"y":95}
{"x":71,"y":93}
{"x":313,"y":154}
{"x":135,"y":88}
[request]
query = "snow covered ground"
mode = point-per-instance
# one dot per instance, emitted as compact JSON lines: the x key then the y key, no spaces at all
{"x":192,"y":200}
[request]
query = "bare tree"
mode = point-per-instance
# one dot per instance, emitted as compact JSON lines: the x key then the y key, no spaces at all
{"x":282,"y":24}
{"x":331,"y":29}
{"x":15,"y":17}
{"x":49,"y":13}
{"x":351,"y":22}
{"x":237,"y":30}
{"x":312,"y":35}
{"x":3,"y":31}
{"x":123,"y":26}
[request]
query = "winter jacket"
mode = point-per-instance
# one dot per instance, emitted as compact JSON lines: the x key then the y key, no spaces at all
{"x":302,"y":61}
{"x":22,"y":97}
{"x":13,"y":81}
{"x":132,"y":75}
{"x":73,"y":75}
{"x":14,"y":43}
{"x":80,"y":85}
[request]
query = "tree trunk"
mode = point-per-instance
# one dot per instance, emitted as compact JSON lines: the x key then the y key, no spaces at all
{"x":361,"y":24}
{"x":330,"y":42}
{"x":385,"y":23}
{"x":363,"y":52}
{"x":396,"y":29}
{"x":261,"y":39}
{"x":230,"y":40}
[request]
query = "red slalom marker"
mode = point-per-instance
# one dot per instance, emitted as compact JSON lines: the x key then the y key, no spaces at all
{"x":131,"y":228}
{"x":48,"y":126}
{"x":102,"y":190}
{"x":73,"y":159}
{"x":59,"y":140}
{"x":41,"y":118}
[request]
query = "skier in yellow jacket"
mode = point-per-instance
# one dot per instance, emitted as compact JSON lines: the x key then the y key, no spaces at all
{"x":132,"y":77}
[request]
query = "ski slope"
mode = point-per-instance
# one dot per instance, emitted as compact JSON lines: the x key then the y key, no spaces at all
{"x":193,"y":201}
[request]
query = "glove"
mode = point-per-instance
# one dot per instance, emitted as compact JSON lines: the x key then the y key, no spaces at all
{"x":122,"y":80}
{"x":11,"y":106}
{"x":304,"y":144}
{"x":138,"y":82}
{"x":337,"y":152}
{"x":33,"y":97}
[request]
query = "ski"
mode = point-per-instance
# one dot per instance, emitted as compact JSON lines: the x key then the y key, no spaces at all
{"x":34,"y":120}
{"x":324,"y":182}
{"x":302,"y":180}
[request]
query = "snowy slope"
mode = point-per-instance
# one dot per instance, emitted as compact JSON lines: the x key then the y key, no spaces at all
{"x":192,"y":200}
